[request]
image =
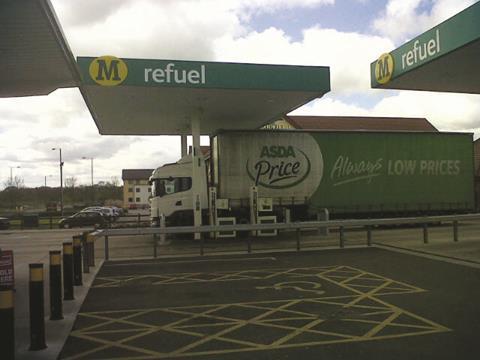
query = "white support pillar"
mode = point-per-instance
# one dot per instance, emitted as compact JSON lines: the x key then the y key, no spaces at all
{"x":212,"y":207}
{"x":254,"y":207}
{"x":196,"y":174}
{"x":183,"y":139}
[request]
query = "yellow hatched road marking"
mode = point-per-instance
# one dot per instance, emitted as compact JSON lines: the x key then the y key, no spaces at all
{"x":242,"y":323}
{"x":367,"y":295}
{"x":108,"y":321}
{"x":119,"y":344}
{"x":380,"y":326}
{"x":352,"y":278}
{"x":208,"y":325}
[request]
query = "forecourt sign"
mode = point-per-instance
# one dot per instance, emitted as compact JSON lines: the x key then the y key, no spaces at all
{"x":444,"y":58}
{"x":7,"y":277}
{"x":174,"y":97}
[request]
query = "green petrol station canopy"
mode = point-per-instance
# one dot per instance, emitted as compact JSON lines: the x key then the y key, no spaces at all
{"x":160,"y":97}
{"x":35,"y":58}
{"x":146,"y":97}
{"x":445,"y":58}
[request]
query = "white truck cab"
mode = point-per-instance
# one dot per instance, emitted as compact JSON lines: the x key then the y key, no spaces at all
{"x":172,"y":193}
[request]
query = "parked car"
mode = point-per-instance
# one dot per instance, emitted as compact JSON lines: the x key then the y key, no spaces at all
{"x":4,"y":223}
{"x":106,"y":211}
{"x":118,"y":211}
{"x":83,"y":218}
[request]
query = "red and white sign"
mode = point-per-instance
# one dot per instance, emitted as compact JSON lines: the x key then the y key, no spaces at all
{"x":6,"y":269}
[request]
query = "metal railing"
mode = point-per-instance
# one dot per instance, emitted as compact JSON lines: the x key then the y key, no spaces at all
{"x":341,"y":225}
{"x":45,"y":222}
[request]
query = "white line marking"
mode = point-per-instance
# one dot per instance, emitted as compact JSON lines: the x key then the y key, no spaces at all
{"x":192,"y":261}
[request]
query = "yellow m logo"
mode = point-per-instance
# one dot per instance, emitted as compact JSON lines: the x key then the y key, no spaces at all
{"x":108,"y":70}
{"x":384,"y":68}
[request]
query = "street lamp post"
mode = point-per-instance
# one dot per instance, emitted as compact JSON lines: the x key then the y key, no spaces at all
{"x":91,"y":176}
{"x":46,"y":179}
{"x":61,"y":179}
{"x":11,"y":173}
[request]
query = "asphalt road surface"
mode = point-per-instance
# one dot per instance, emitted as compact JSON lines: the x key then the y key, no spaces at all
{"x":365,"y":303}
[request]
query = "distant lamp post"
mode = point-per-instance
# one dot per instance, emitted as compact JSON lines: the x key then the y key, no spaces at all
{"x":61,"y":179}
{"x":11,"y":173}
{"x":91,"y":176}
{"x":46,"y":179}
{"x":91,"y":166}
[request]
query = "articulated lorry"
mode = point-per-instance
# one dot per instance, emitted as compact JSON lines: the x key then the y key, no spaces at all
{"x":299,"y":173}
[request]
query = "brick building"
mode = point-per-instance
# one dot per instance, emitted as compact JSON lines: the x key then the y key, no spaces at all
{"x":136,"y":189}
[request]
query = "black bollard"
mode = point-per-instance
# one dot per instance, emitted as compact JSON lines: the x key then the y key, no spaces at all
{"x":86,"y":254}
{"x":56,"y":305}
{"x":107,"y":255}
{"x":91,"y":249}
{"x":425,"y":233}
{"x":67,"y":271}
{"x":37,"y":312}
{"x":455,"y":231}
{"x":7,"y":324}
{"x":342,"y":237}
{"x":298,"y":239}
{"x":77,"y":260}
{"x":369,"y":235}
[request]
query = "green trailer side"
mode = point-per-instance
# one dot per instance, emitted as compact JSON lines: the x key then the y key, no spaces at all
{"x":377,"y":172}
{"x":348,"y":172}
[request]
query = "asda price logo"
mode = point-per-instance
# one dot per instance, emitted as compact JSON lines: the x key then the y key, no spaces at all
{"x":108,"y":70}
{"x":279,"y":167}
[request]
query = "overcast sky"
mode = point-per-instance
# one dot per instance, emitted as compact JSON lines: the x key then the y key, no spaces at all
{"x":346,"y":35}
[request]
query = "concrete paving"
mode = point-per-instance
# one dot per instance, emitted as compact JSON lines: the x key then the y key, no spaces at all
{"x":440,"y":242}
{"x":33,"y":246}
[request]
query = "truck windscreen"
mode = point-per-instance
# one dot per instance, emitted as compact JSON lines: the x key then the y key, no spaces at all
{"x":163,"y":187}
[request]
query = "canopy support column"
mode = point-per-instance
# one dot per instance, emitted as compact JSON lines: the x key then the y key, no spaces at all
{"x":183,"y":139}
{"x":196,"y":174}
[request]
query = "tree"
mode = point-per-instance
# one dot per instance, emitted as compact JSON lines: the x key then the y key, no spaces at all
{"x":114,"y":181}
{"x":71,"y":181}
{"x":12,"y":194}
{"x":17,"y":182}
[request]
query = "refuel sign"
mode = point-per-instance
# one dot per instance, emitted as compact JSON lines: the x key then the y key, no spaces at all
{"x":112,"y":71}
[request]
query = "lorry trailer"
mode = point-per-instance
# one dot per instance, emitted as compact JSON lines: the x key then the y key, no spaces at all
{"x":300,"y":173}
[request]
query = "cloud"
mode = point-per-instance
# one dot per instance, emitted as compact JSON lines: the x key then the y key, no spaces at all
{"x":176,"y":29}
{"x":404,"y":19}
{"x":347,"y":54}
{"x":208,"y":30}
{"x":31,"y":126}
{"x":55,"y":110}
{"x":328,"y":106}
{"x":87,"y":12}
{"x":447,"y":111}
